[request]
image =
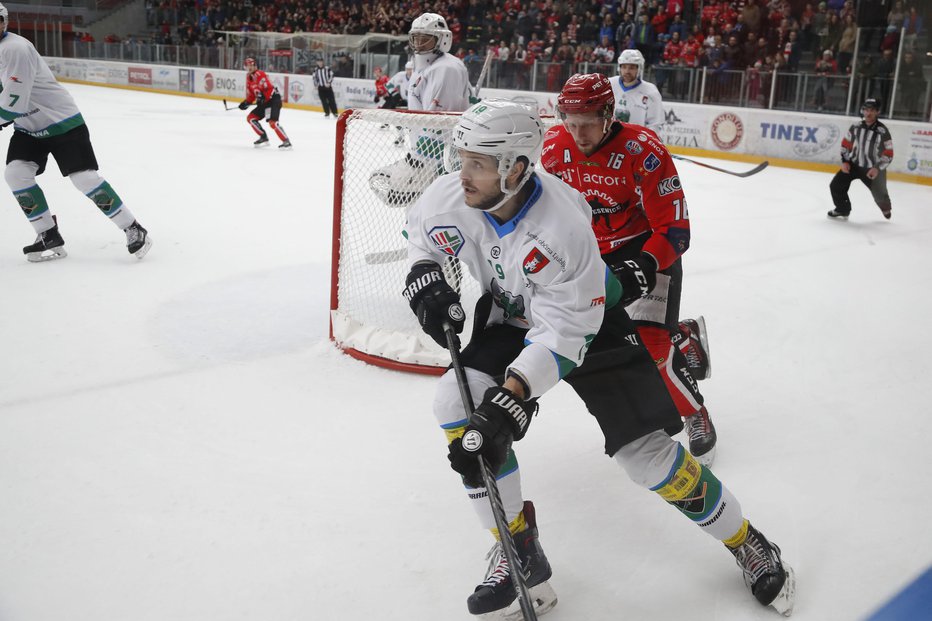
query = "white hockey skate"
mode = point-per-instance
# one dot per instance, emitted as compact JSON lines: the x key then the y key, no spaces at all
{"x":401,"y":183}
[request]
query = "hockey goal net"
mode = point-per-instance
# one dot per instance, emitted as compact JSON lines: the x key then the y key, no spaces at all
{"x":384,"y":161}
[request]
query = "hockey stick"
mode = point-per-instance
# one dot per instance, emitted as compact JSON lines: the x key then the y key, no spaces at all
{"x":747,"y":173}
{"x":228,"y":108}
{"x":488,"y":480}
{"x":474,"y":90}
{"x":386,"y":256}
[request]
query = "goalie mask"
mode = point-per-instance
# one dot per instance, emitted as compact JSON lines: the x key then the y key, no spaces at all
{"x":430,"y":25}
{"x":505,"y":130}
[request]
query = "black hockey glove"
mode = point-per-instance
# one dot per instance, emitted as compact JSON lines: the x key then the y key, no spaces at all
{"x":243,"y":105}
{"x":638,"y":277}
{"x":377,"y":98}
{"x":500,"y":419}
{"x":433,"y":301}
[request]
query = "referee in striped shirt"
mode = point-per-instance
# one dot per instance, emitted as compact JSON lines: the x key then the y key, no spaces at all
{"x":323,"y":80}
{"x":866,"y":151}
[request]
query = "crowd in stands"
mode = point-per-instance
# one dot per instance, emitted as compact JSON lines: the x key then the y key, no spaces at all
{"x":755,"y":36}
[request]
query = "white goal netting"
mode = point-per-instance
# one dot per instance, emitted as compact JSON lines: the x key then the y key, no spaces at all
{"x":384,"y":161}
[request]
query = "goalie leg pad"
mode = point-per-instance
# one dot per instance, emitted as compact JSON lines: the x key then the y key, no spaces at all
{"x":401,"y":183}
{"x":659,"y":463}
{"x":449,"y":411}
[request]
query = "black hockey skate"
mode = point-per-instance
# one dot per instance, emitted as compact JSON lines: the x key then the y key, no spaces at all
{"x":697,"y":348}
{"x":772,"y":582}
{"x":702,"y":436}
{"x":886,"y":210}
{"x":263,"y":141}
{"x":495,"y":598}
{"x":837,"y":215}
{"x":285,"y":146}
{"x":48,"y":246}
{"x":137,"y":240}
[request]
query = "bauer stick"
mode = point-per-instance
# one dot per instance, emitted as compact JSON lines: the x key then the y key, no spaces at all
{"x":747,"y":173}
{"x":474,"y":90}
{"x":488,"y":479}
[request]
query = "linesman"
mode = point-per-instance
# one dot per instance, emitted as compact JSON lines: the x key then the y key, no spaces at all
{"x":866,"y":152}
{"x":323,"y":80}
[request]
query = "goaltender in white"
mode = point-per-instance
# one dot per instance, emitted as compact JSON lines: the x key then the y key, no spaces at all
{"x":439,"y":83}
{"x":526,"y":237}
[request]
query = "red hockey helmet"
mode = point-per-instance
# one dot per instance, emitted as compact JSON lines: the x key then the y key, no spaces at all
{"x":248,"y":61}
{"x":586,"y":92}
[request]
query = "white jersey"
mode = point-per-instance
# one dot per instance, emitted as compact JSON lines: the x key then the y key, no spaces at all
{"x":398,"y":85}
{"x":542,"y":267}
{"x":30,"y":96}
{"x":439,"y":82}
{"x":640,"y":104}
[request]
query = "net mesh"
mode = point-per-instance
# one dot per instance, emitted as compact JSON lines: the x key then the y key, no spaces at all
{"x":388,"y":158}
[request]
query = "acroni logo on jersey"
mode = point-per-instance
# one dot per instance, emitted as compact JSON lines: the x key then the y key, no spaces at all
{"x":448,"y":239}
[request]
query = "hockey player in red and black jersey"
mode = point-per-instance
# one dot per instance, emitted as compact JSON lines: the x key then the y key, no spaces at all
{"x":641,"y":224}
{"x":261,"y":92}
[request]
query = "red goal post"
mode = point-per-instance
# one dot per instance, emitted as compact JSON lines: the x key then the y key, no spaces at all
{"x":369,"y":319}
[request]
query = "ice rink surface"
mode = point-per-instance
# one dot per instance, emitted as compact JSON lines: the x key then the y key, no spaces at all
{"x":179,"y":441}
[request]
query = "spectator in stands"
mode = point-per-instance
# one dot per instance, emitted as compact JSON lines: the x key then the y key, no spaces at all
{"x":883,"y":76}
{"x":733,"y":55}
{"x":624,"y":32}
{"x":824,"y":68}
{"x":913,"y":86}
{"x":891,"y":39}
{"x":644,"y":38}
{"x":604,"y":52}
{"x":846,"y":43}
{"x":913,"y":25}
{"x":896,"y":16}
{"x":792,"y":51}
{"x":752,"y":16}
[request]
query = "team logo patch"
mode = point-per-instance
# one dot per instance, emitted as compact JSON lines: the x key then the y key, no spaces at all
{"x":669,"y":185}
{"x":652,"y":163}
{"x":633,"y":147}
{"x":642,"y":137}
{"x":535,"y":261}
{"x":447,"y":239}
{"x":496,"y":252}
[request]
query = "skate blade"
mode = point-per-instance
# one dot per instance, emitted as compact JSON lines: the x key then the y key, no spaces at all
{"x":261,"y":145}
{"x":41,"y":257}
{"x":786,"y":598}
{"x":704,"y":341}
{"x":139,"y":254}
{"x":845,"y":218}
{"x":543,"y":598}
{"x":282,"y":148}
{"x":706,"y":459}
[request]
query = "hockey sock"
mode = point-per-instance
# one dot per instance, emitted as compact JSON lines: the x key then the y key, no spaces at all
{"x":279,"y":130}
{"x":103,"y":195}
{"x":662,"y":465}
{"x":517,"y":525}
{"x":700,"y":496}
{"x":254,"y":123}
{"x":737,"y":540}
{"x":671,"y":363}
{"x":32,"y":202}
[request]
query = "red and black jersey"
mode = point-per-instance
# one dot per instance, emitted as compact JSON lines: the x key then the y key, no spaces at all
{"x":258,"y":82}
{"x":380,"y":89}
{"x":632,"y":186}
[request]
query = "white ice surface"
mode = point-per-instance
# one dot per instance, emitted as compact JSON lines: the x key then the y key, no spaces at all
{"x":180,"y":441}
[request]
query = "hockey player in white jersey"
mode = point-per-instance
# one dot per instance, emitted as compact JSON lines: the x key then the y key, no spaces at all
{"x":46,"y":121}
{"x":439,"y":83}
{"x":526,"y":237}
{"x":636,"y":101}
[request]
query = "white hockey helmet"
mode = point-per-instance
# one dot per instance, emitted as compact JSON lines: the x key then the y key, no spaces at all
{"x":6,"y":17}
{"x":409,"y":65}
{"x":504,"y":129}
{"x":632,"y":57}
{"x":435,"y":26}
